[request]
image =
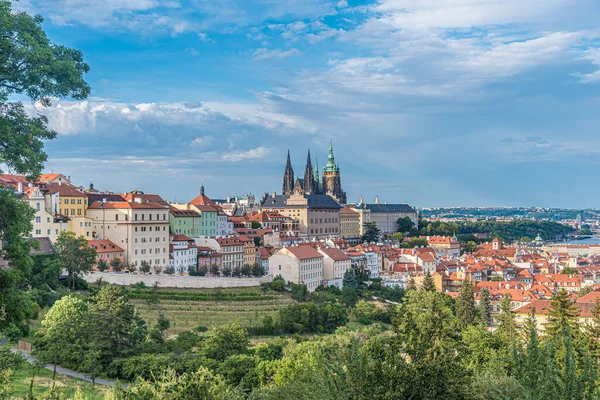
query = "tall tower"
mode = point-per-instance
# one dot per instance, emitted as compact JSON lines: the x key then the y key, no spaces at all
{"x":316,"y":178}
{"x":288,"y":177}
{"x":332,"y":184}
{"x":309,"y":177}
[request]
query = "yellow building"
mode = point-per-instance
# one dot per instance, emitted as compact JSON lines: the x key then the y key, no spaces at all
{"x":349,"y":223}
{"x":72,"y":203}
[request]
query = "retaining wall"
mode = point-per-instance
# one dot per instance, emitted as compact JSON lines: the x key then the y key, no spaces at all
{"x":175,"y":281}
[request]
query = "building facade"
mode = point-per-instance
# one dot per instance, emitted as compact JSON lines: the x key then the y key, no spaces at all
{"x":298,"y":264}
{"x":335,"y":265}
{"x":140,"y":228}
{"x":184,"y":222}
{"x":386,"y":216}
{"x":349,"y":223}
{"x":183,"y":254}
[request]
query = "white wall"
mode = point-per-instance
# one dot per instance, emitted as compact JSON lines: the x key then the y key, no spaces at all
{"x":175,"y":281}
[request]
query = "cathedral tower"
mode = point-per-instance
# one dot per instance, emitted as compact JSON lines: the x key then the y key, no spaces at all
{"x":332,"y":184}
{"x":309,"y":177}
{"x":288,"y":177}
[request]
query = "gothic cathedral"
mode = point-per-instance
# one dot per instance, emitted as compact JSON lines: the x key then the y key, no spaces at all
{"x":311,"y":184}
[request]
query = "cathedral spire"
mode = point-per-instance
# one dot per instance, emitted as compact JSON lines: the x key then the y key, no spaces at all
{"x":288,"y":177}
{"x":309,"y":176}
{"x":316,"y":178}
{"x":331,"y":167}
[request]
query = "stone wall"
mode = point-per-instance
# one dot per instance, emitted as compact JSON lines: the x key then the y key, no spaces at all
{"x":168,"y":281}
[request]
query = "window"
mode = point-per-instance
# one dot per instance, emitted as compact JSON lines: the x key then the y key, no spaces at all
{"x":47,"y":219}
{"x":72,"y":201}
{"x":49,"y":230}
{"x":38,"y":220}
{"x":80,"y":224}
{"x":136,"y":228}
{"x":72,"y":211}
{"x":78,"y":201}
{"x":135,"y":217}
{"x":38,"y":231}
{"x":142,"y":217}
{"x":116,"y":217}
{"x":149,"y":217}
{"x":126,"y":217}
{"x":37,"y":206}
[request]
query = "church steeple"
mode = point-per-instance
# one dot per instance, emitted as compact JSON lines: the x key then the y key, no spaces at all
{"x":316,"y":178}
{"x":288,"y":177}
{"x":331,"y":167}
{"x":309,"y":176}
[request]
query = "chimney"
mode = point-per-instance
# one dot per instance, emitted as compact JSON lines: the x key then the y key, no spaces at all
{"x":273,"y":194}
{"x":20,"y":187}
{"x":60,"y":182}
{"x":138,"y":200}
{"x":104,"y":200}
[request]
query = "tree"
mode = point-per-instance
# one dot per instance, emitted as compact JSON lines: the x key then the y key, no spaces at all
{"x":257,"y":241}
{"x":372,"y":233}
{"x":257,"y":270}
{"x":592,"y":331}
{"x":349,"y":296}
{"x":398,"y":236}
{"x":470,"y":247}
{"x":62,"y":340}
{"x":237,"y":272}
{"x":144,"y":267}
{"x":214,"y":270}
{"x":227,"y":271}
{"x":465,"y":305}
{"x":428,"y":283}
{"x":256,"y":225}
{"x":247,"y":270}
{"x":507,"y":326}
{"x":405,"y":224}
{"x":116,"y":327}
{"x":102,"y":265}
{"x":411,"y":285}
{"x":569,"y":271}
{"x":131,"y":268}
{"x":226,"y":340}
{"x":484,"y":306}
{"x":116,"y":264}
{"x":561,"y":313}
{"x":76,"y":256}
{"x":364,"y":312}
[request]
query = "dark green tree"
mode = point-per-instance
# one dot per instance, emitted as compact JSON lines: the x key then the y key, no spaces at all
{"x":465,"y":305}
{"x":144,"y":267}
{"x":484,"y":307}
{"x":469,"y":247}
{"x":225,"y":341}
{"x":561,"y":313}
{"x":405,"y":224}
{"x":116,"y":264}
{"x":507,"y":325}
{"x":256,"y":225}
{"x":428,"y":283}
{"x":102,"y":265}
{"x":372,"y":233}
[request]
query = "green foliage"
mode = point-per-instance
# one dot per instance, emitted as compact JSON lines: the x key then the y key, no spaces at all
{"x":484,"y":307}
{"x":116,"y":264}
{"x":311,"y":317}
{"x":508,"y":231}
{"x":145,"y":267}
{"x":256,"y":225}
{"x":465,"y":305}
{"x":75,"y":255}
{"x":405,"y":224}
{"x":372,"y":233}
{"x":414,"y":242}
{"x":226,"y":340}
{"x":398,"y":236}
{"x":364,"y":312}
{"x":102,"y":265}
{"x":569,"y":271}
{"x":507,"y":326}
{"x":469,"y":247}
{"x":428,"y":283}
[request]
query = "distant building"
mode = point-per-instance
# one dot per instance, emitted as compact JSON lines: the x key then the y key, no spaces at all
{"x":335,"y":264}
{"x":183,"y":254}
{"x":298,"y":264}
{"x":316,"y":215}
{"x":444,"y":245}
{"x":349,"y":223}
{"x":184,"y":222}
{"x":140,"y":228}
{"x":106,"y":250}
{"x":385,"y":216}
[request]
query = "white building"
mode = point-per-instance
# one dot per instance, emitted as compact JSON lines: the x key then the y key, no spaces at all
{"x":335,"y":264}
{"x":372,"y":263}
{"x":298,"y":264}
{"x":224,"y":224}
{"x":45,"y":224}
{"x":138,"y":226}
{"x":183,"y":253}
{"x":230,"y":247}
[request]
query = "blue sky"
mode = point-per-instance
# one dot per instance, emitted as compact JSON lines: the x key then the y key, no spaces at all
{"x":429,"y":102}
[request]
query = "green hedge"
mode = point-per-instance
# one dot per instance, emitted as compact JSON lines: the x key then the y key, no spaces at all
{"x":201,"y":296}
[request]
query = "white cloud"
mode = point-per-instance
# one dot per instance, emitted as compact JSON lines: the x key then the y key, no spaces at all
{"x":192,"y":51}
{"x":258,"y":153}
{"x":276,"y":54}
{"x":593,"y":56}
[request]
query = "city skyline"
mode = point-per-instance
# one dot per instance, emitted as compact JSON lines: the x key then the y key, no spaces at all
{"x":484,"y":103}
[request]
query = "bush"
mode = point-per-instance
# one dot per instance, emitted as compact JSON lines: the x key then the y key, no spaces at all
{"x":12,"y":332}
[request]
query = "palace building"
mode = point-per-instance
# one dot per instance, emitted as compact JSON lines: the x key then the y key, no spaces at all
{"x":311,"y":184}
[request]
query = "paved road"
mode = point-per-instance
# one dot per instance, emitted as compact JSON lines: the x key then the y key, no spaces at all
{"x":67,"y":372}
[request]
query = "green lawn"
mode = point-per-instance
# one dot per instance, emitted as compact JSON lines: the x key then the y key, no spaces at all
{"x":43,"y":382}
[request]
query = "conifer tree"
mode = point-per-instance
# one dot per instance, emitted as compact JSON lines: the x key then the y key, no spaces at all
{"x":561,"y":314}
{"x":507,"y":326}
{"x":465,"y":307}
{"x":429,"y":283}
{"x":592,"y":332}
{"x":411,"y":284}
{"x":485,"y":315}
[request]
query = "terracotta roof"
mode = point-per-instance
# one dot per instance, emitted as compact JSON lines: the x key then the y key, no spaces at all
{"x":304,"y":252}
{"x":347,"y":210}
{"x":179,"y":238}
{"x":48,"y":177}
{"x":104,"y":246}
{"x":64,"y":190}
{"x":336,"y":254}
{"x":205,"y":208}
{"x":150,"y":198}
{"x":116,"y":205}
{"x":183,"y":213}
{"x":591,"y":297}
{"x":9,"y":180}
{"x":203,"y":200}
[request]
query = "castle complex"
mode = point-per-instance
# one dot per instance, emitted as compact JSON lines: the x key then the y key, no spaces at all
{"x":330,"y":185}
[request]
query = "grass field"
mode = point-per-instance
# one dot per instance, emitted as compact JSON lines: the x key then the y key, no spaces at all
{"x":43,"y":382}
{"x":188,"y":314}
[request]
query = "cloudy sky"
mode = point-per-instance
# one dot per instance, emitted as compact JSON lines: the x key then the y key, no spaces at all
{"x":429,"y":102}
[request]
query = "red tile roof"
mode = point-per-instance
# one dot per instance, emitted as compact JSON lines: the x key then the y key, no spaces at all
{"x":336,"y":254}
{"x":116,"y":205}
{"x":104,"y":246}
{"x":304,"y":252}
